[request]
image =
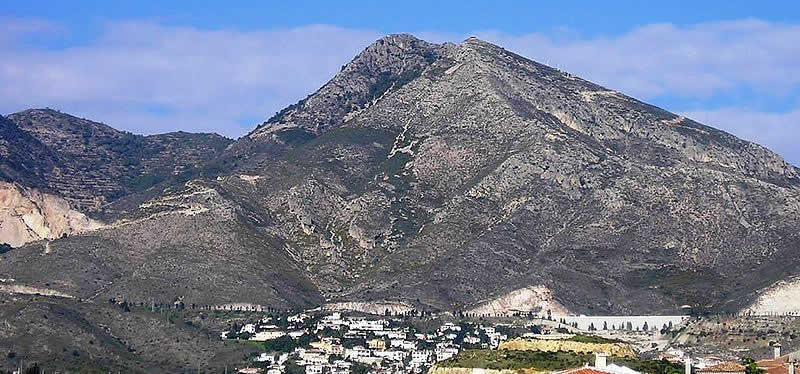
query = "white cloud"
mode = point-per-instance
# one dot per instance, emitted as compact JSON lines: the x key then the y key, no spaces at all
{"x":663,"y":59}
{"x":190,"y":79}
{"x":780,"y":131}
{"x":149,"y":77}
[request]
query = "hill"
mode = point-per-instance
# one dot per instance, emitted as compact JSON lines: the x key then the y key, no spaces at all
{"x":90,"y":163}
{"x":444,"y":178}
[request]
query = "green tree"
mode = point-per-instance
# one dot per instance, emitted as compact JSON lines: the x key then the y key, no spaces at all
{"x":293,"y":368}
{"x":750,"y":366}
{"x":359,"y":368}
{"x":283,"y":344}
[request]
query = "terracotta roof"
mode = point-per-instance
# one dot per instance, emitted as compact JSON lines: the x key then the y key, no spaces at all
{"x":777,"y":370}
{"x":583,"y":370}
{"x":769,"y":363}
{"x":725,"y":367}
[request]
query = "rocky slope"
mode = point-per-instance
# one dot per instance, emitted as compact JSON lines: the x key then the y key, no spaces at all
{"x":23,"y":158}
{"x":462,"y":184}
{"x":90,"y":164}
{"x":490,"y":173}
{"x":27,"y":215}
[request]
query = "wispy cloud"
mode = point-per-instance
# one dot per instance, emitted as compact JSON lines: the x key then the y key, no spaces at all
{"x":663,"y":59}
{"x":779,"y":131}
{"x":196,"y":79}
{"x":149,"y":77}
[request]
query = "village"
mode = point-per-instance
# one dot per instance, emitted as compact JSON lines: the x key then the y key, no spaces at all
{"x":341,"y":343}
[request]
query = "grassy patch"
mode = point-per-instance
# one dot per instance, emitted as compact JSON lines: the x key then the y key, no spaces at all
{"x":502,"y":359}
{"x":250,"y":343}
{"x":539,"y":360}
{"x":593,"y":339}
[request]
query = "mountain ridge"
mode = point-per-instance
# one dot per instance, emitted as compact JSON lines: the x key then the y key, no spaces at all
{"x":485,"y":182}
{"x":484,"y":176}
{"x":115,"y":163}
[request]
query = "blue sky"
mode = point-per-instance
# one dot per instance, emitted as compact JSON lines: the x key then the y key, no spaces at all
{"x":150,"y":67}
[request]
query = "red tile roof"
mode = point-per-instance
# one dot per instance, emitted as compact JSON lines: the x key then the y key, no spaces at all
{"x":777,"y":370}
{"x":769,"y":363}
{"x":583,"y":370}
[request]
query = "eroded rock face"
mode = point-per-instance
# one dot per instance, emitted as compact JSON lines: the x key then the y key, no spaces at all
{"x":781,"y":298}
{"x":27,"y":215}
{"x":536,"y":299}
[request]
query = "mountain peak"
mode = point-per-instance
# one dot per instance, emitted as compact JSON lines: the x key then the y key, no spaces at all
{"x":386,"y":64}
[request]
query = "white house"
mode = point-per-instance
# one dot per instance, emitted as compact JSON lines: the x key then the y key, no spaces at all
{"x":267,"y":335}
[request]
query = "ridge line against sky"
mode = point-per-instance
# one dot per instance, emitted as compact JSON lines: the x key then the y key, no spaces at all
{"x":151,"y":76}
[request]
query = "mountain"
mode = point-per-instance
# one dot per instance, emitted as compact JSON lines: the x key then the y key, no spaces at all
{"x":91,"y":164}
{"x":450,"y":177}
{"x":23,"y":158}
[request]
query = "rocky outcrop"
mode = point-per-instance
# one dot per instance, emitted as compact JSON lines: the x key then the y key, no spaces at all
{"x":28,"y":214}
{"x":533,"y":299}
{"x":91,"y":164}
{"x":385,"y":65}
{"x":375,"y":307}
{"x":782,"y":297}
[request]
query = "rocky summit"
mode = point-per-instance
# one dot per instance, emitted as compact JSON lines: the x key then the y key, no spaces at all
{"x":443,"y":177}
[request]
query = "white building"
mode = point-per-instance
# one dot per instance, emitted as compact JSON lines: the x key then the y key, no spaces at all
{"x":449,"y":326}
{"x":472,"y":339}
{"x":249,"y":328}
{"x":368,"y":325}
{"x":267,"y":335}
{"x":421,"y":357}
{"x":445,"y":353}
{"x":392,"y":355}
{"x":357,"y":352}
{"x":314,"y":357}
{"x":298,"y":318}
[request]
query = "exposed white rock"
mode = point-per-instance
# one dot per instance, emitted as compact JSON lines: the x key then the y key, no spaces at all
{"x":530,"y":299}
{"x":252,"y":179}
{"x":591,"y":95}
{"x":30,"y":290}
{"x":781,"y":297}
{"x":674,"y":122}
{"x":373,"y":307}
{"x":28,"y":215}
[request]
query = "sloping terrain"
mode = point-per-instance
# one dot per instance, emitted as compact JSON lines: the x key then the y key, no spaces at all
{"x":67,"y":335}
{"x":192,"y":246}
{"x":90,"y":164}
{"x":473,"y":181}
{"x":27,"y":215}
{"x":23,"y":158}
{"x":490,"y":173}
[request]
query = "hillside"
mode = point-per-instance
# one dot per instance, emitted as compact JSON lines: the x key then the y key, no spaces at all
{"x":479,"y":181}
{"x":23,"y":158}
{"x":90,"y":163}
{"x":490,"y":161}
